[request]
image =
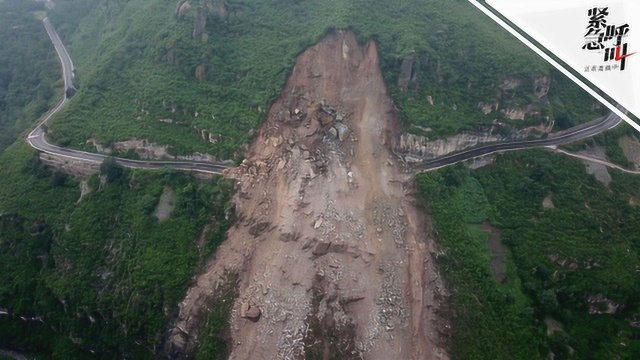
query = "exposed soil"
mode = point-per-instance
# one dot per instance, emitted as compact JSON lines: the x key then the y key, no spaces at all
{"x":553,"y":325}
{"x":77,"y":168}
{"x":329,"y":243}
{"x":631,"y":149}
{"x":547,"y":202}
{"x":85,"y":190}
{"x":166,"y":204}
{"x":599,"y":171}
{"x":498,"y":252}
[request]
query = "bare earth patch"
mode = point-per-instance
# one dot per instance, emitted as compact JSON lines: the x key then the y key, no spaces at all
{"x":631,"y":149}
{"x":601,"y":172}
{"x":166,"y":204}
{"x":547,"y":203}
{"x":329,"y":244}
{"x":553,"y":325}
{"x":85,"y":189}
{"x":498,"y":252}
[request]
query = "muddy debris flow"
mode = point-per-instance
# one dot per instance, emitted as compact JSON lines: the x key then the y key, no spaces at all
{"x":330,"y":248}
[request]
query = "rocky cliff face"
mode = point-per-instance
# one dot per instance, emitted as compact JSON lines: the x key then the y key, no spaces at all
{"x":199,"y":23}
{"x":407,"y":73}
{"x":182,"y":8}
{"x":415,"y":148}
{"x":541,"y":88}
{"x":202,"y":12}
{"x":151,"y":151}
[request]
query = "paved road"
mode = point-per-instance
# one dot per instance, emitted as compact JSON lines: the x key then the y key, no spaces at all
{"x":65,"y":59}
{"x":574,"y":134}
{"x":37,"y":138}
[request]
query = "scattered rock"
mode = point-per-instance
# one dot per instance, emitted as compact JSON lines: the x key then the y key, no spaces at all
{"x":309,"y":243}
{"x":258,"y":229}
{"x":328,"y":109}
{"x":337,"y":248}
{"x":322,"y":249}
{"x":250,"y":312}
{"x":289,"y":237}
{"x":350,"y":299}
{"x":343,"y":131}
{"x":599,"y":304}
{"x":513,"y":114}
{"x":333,"y":132}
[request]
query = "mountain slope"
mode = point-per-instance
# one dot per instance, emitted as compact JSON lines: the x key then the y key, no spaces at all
{"x":29,"y":68}
{"x":199,"y":75}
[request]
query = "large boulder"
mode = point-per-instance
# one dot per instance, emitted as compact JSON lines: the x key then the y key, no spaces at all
{"x":247,"y":311}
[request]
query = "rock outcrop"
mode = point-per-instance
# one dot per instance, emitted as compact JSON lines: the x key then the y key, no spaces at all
{"x":76,"y":168}
{"x":182,"y":8}
{"x":149,"y":151}
{"x":200,"y":72}
{"x":247,"y":311}
{"x":199,"y":23}
{"x":541,"y":88}
{"x":406,"y":71}
{"x":415,"y":148}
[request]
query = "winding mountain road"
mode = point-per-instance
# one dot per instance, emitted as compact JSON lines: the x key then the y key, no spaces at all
{"x":38,"y":141}
{"x":565,"y":137}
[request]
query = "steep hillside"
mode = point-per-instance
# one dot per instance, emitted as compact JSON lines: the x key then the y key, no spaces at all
{"x":29,"y":68}
{"x":328,"y":253}
{"x":95,"y":268}
{"x":541,"y":257}
{"x":199,"y":75}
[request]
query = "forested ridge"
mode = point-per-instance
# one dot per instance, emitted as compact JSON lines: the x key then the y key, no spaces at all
{"x":200,"y":75}
{"x":567,"y":283}
{"x":29,"y":69}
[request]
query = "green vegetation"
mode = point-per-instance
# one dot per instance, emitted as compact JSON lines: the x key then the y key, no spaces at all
{"x":137,"y":63}
{"x":29,"y":69}
{"x":101,"y":273}
{"x":561,"y":259}
{"x":98,"y":276}
{"x":610,"y":140}
{"x":214,"y":339}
